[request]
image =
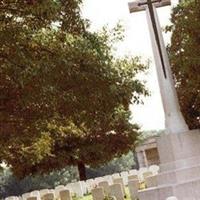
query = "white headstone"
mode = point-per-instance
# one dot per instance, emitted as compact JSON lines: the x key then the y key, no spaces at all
{"x":141,"y":172}
{"x":26,"y":195}
{"x":35,"y":193}
{"x":120,"y":181}
{"x":154,"y":169}
{"x":98,"y":193}
{"x":48,"y":196}
{"x":132,"y":177}
{"x":98,"y":179}
{"x":117,"y":191}
{"x":105,"y":186}
{"x":109,"y":179}
{"x":116,"y":175}
{"x":58,"y":189}
{"x":151,"y":181}
{"x":65,"y":195}
{"x":133,"y":186}
{"x":90,"y":184}
{"x":77,"y":188}
{"x":133,"y":172}
{"x":43,"y":192}
{"x":84,"y":187}
{"x":124,"y":175}
{"x":147,"y":174}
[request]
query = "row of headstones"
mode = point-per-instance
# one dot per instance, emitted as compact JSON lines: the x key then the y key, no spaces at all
{"x":61,"y":194}
{"x":117,"y":187}
{"x":116,"y":191}
{"x":147,"y":177}
{"x":133,"y":179}
{"x":84,"y":187}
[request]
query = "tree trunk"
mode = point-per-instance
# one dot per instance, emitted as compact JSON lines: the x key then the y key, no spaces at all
{"x":82,"y":171}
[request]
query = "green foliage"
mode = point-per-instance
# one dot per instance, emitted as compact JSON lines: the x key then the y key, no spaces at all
{"x":64,"y":97}
{"x":123,"y":163}
{"x":11,"y":185}
{"x":185,"y":58}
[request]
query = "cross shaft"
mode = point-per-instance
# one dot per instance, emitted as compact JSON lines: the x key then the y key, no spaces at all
{"x":141,"y":5}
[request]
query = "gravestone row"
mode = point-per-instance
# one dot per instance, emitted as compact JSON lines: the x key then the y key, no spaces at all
{"x":108,"y":184}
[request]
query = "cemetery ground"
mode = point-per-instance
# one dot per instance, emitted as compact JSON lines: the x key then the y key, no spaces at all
{"x":89,"y":196}
{"x":118,"y":186}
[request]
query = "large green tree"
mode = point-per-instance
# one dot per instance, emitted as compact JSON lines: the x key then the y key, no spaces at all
{"x":185,"y":58}
{"x":64,"y":97}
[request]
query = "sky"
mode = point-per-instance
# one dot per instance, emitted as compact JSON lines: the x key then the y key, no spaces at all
{"x":137,"y":42}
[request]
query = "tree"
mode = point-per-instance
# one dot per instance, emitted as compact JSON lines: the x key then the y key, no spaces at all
{"x":65,"y":98}
{"x":185,"y":58}
{"x":12,"y":186}
{"x":117,"y":165}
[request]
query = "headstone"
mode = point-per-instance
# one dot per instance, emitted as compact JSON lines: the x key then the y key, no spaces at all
{"x":133,"y":172}
{"x":105,"y":186}
{"x":143,"y":169}
{"x":58,"y":189}
{"x":43,"y":192}
{"x":84,"y":187}
{"x":117,"y":191}
{"x":141,"y":172}
{"x":124,"y":175}
{"x":90,"y":184}
{"x":77,"y":188}
{"x":151,"y":181}
{"x":154,"y":169}
{"x":133,"y":186}
{"x":35,"y":193}
{"x":98,"y":179}
{"x":132,"y":177}
{"x":98,"y":193}
{"x":68,"y":187}
{"x":26,"y":195}
{"x":109,"y":179}
{"x":120,"y":181}
{"x":52,"y":191}
{"x":48,"y":196}
{"x":65,"y":195}
{"x":147,"y":174}
{"x":116,"y":175}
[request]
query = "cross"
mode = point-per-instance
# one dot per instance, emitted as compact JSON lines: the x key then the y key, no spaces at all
{"x":174,"y":120}
{"x":140,"y":6}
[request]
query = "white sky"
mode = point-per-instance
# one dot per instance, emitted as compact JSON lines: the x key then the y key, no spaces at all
{"x":137,"y":42}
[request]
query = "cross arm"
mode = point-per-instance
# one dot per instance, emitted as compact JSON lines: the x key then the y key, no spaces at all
{"x":140,"y":5}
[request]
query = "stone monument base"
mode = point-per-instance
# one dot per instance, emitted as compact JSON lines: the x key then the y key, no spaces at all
{"x":179,"y":169}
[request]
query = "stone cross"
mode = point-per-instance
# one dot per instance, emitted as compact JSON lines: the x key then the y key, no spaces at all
{"x":174,"y":121}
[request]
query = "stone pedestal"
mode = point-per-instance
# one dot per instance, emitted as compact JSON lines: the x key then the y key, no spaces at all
{"x":180,"y":168}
